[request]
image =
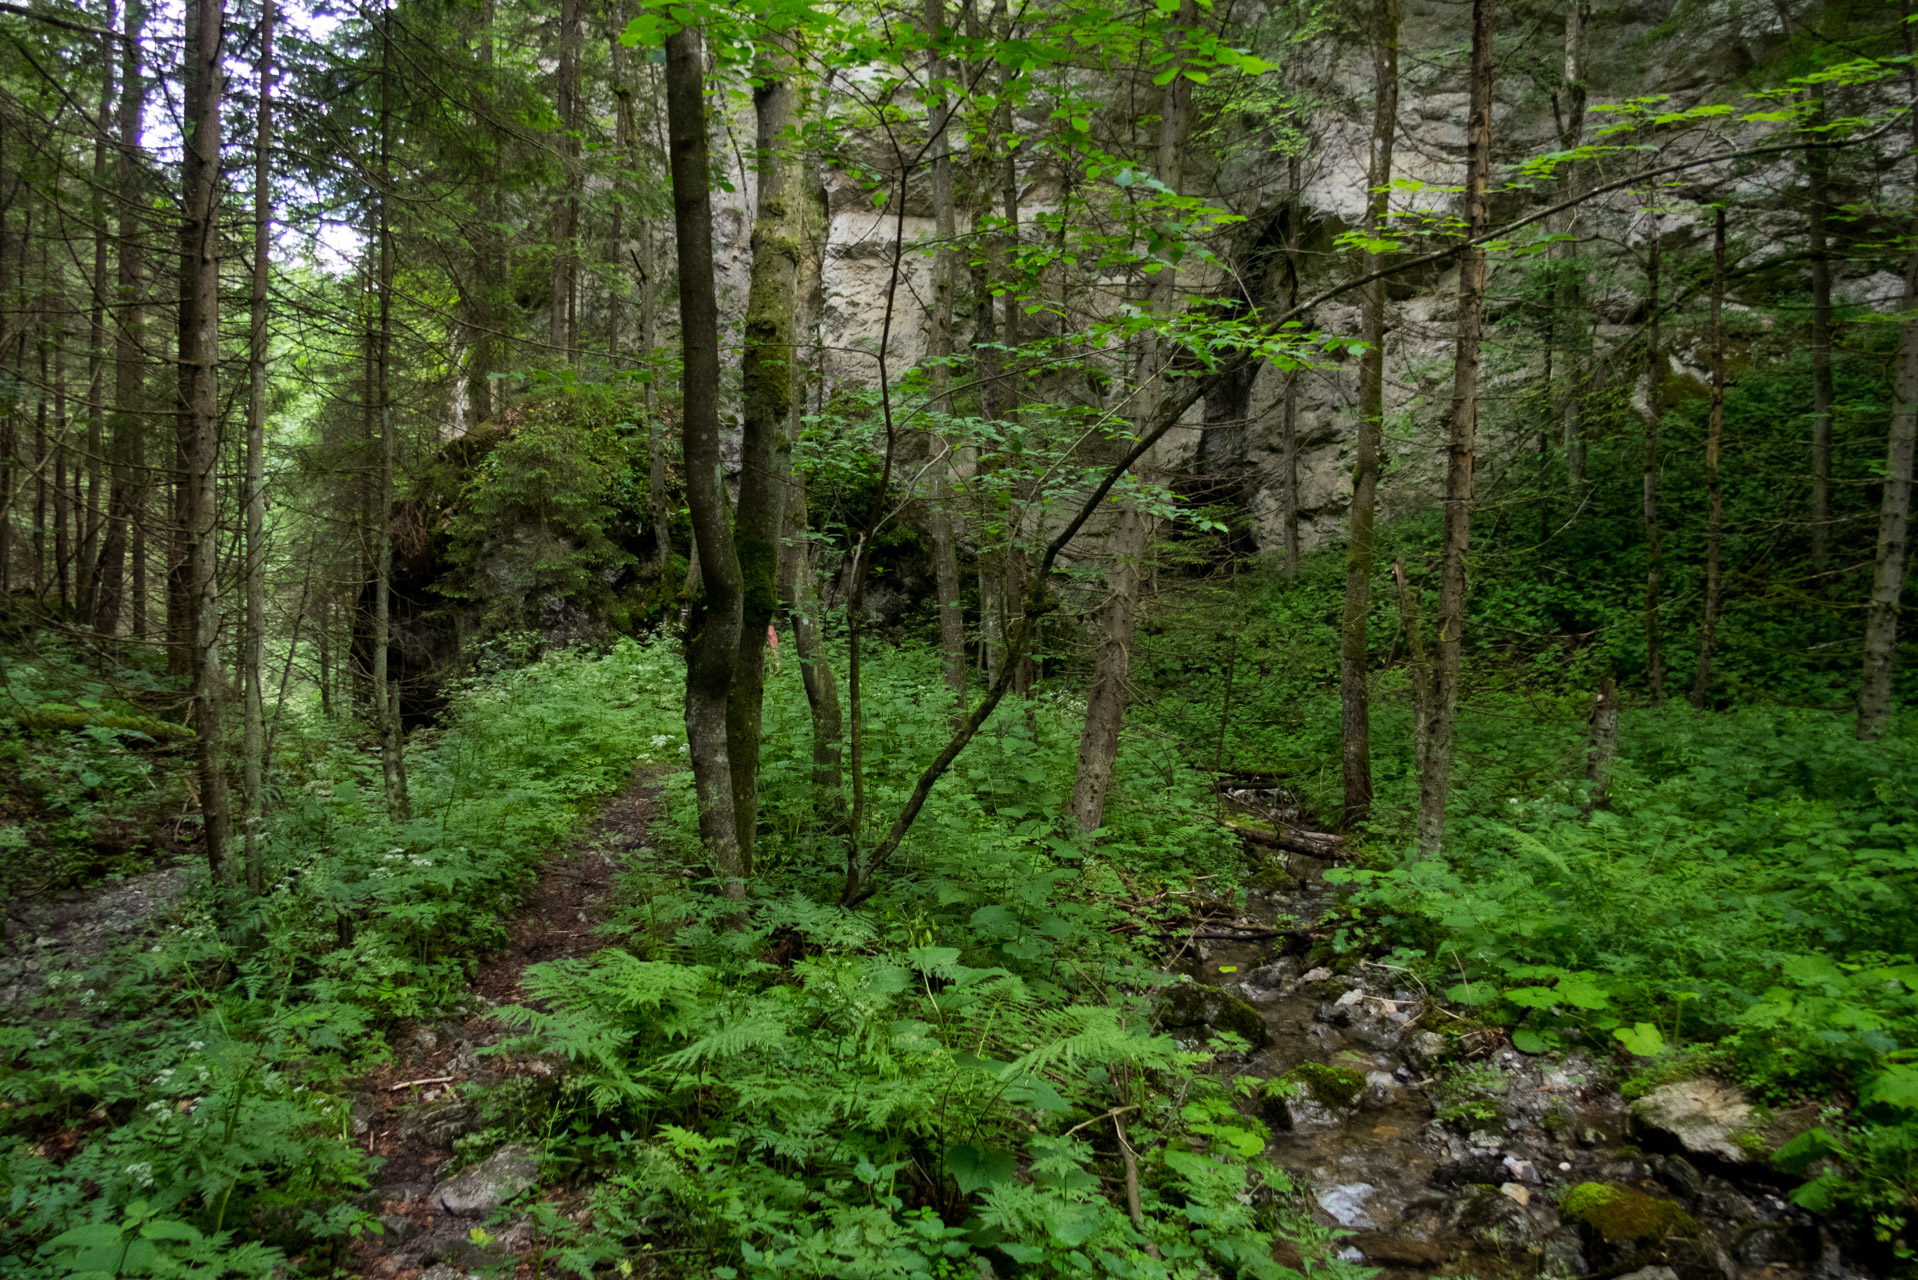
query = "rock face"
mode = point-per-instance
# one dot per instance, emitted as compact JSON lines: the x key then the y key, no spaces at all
{"x":1707,"y":1118}
{"x":489,"y":1184}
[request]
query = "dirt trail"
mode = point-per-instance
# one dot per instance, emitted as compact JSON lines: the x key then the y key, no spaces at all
{"x":412,"y":1111}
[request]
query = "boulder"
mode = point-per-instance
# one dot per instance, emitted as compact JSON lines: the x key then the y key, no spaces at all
{"x":1346,"y":1203}
{"x":438,"y":1125}
{"x":1619,"y":1215}
{"x":1705,"y":1117}
{"x":489,"y":1184}
{"x":1192,"y":1004}
{"x":1486,"y":1213}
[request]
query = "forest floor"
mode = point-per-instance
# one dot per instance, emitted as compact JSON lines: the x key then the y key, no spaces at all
{"x":411,"y":1112}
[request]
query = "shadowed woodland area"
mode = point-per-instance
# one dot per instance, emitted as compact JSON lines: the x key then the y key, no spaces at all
{"x":1180,"y":639}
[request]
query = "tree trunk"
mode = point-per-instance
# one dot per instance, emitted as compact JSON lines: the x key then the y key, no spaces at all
{"x":772,"y":339}
{"x":1570,"y":319}
{"x":1355,"y":712}
{"x":564,"y":320}
{"x":199,"y":358}
{"x":1654,"y":533}
{"x":713,"y":639}
{"x":385,"y":691}
{"x":939,"y":346}
{"x":815,"y":669}
{"x":1105,"y":701}
{"x":126,"y":472}
{"x":253,"y":653}
{"x":1894,"y":510}
{"x":94,"y":519}
{"x":1714,"y":488}
{"x":1418,"y":669}
{"x":1442,"y":709}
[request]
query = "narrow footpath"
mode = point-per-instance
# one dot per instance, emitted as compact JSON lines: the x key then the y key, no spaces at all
{"x":412,"y":1113}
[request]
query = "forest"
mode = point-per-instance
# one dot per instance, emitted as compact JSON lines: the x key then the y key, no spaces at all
{"x":1183,"y":639}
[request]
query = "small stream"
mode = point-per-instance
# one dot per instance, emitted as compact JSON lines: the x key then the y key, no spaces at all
{"x":1442,"y":1151}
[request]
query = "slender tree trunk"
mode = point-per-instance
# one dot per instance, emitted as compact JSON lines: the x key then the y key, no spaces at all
{"x":253,"y":654}
{"x":772,"y":339}
{"x":1570,"y":306}
{"x":713,"y":641}
{"x":1714,"y":487}
{"x":1105,"y":701}
{"x":939,"y":346}
{"x":1418,"y":669}
{"x":1355,"y":711}
{"x":1654,"y":533}
{"x":199,"y":358}
{"x":94,"y":519}
{"x":815,"y":669}
{"x":564,"y":320}
{"x":385,"y":691}
{"x":1442,"y":710}
{"x":1894,"y":510}
{"x":127,"y":471}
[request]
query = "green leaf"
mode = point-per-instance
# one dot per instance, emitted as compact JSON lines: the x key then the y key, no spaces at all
{"x":976,"y":1168}
{"x":1641,"y":1038}
{"x":1895,"y":1086}
{"x":1528,"y":1041}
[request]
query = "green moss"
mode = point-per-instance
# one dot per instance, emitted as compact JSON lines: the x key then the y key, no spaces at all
{"x":71,"y":719}
{"x":1272,"y":878}
{"x":1193,"y":1004}
{"x":1332,"y":1086}
{"x":1620,"y":1215}
{"x":756,"y":562}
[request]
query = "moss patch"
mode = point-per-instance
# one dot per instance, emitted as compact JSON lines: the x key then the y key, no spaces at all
{"x":1620,"y":1215}
{"x":1193,"y":1004}
{"x":1331,"y":1086}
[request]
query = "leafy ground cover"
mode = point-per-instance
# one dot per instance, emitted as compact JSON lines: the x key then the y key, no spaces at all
{"x":1739,"y":902}
{"x":964,"y":1068}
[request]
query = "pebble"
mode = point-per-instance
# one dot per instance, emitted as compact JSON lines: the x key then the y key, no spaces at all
{"x":1514,"y":1192}
{"x":1521,"y":1170}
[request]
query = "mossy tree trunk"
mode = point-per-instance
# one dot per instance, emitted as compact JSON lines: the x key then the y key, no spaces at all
{"x":713,"y":631}
{"x":772,"y":341}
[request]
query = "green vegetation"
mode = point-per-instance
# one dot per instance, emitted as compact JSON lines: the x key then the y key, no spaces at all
{"x":1622,"y":1215}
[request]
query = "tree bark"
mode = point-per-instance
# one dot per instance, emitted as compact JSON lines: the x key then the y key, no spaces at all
{"x":772,"y":339}
{"x":1105,"y":701}
{"x":939,"y":346}
{"x":1894,"y":505}
{"x":94,"y":508}
{"x":199,"y":361}
{"x":1570,"y":319}
{"x":713,"y":637}
{"x":253,"y":652}
{"x":564,"y":320}
{"x":1355,"y":712}
{"x":1442,"y":709}
{"x":385,"y":691}
{"x":1714,"y":486}
{"x":1654,"y":532}
{"x":126,"y":470}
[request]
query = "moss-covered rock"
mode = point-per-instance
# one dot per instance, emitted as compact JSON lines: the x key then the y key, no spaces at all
{"x":1193,"y":1004}
{"x":1330,"y":1086}
{"x":1622,"y":1216}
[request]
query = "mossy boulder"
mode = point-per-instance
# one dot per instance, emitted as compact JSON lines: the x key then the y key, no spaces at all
{"x":1193,"y":1004}
{"x":1624,"y":1216}
{"x":1337,"y":1087}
